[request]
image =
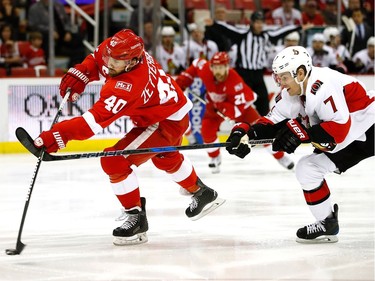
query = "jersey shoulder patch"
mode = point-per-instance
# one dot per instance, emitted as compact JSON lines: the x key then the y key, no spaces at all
{"x":278,"y":97}
{"x":315,"y":87}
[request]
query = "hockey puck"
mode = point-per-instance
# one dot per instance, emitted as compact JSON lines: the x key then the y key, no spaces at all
{"x":11,"y":252}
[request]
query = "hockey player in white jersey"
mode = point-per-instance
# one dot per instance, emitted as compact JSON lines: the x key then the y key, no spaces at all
{"x":321,"y":106}
{"x":170,"y":55}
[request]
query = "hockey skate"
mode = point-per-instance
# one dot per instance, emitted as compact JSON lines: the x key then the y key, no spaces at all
{"x":286,"y":162}
{"x":215,"y":164}
{"x":204,"y":201}
{"x":323,"y":231}
{"x":133,"y":230}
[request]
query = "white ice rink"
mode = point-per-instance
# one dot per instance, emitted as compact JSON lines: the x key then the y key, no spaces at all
{"x":68,"y":228}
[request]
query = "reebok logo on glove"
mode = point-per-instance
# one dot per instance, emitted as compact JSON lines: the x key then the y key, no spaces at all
{"x":59,"y":140}
{"x":298,"y":130}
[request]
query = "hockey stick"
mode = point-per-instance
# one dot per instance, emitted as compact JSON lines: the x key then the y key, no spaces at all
{"x":27,"y":142}
{"x":19,"y":245}
{"x":226,"y":118}
{"x":350,"y":25}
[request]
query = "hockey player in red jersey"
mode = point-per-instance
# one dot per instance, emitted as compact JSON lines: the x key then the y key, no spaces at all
{"x":137,"y":87}
{"x":330,"y":110}
{"x":227,"y":95}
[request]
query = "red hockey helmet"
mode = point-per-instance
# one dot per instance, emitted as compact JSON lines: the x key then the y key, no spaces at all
{"x":220,"y":58}
{"x":125,"y":45}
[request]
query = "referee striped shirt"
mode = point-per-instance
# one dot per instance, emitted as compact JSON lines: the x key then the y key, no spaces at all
{"x":253,"y":48}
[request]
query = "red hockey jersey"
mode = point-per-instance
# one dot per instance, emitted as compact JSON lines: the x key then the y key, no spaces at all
{"x":232,"y":91}
{"x":146,"y":94}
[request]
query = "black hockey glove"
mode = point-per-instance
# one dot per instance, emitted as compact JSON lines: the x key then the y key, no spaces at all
{"x":238,"y":139}
{"x":290,"y":136}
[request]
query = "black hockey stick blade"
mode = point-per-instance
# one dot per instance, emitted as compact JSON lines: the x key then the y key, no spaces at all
{"x":19,"y":248}
{"x":25,"y":139}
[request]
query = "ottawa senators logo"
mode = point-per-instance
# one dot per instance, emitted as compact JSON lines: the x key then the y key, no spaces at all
{"x":315,"y":87}
{"x":278,"y":97}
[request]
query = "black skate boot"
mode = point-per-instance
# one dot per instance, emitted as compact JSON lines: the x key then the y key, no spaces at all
{"x":323,"y":231}
{"x":133,"y":230}
{"x":204,"y":201}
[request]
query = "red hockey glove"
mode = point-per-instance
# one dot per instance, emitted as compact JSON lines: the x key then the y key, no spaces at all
{"x":51,"y":140}
{"x":238,"y":139}
{"x":225,"y":108}
{"x":76,"y":79}
{"x":290,"y":136}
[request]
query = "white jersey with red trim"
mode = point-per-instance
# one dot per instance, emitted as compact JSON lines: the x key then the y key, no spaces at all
{"x":338,"y":102}
{"x":171,"y":62}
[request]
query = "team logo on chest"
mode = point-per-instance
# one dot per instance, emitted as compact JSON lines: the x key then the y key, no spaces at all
{"x":123,"y":86}
{"x":315,"y":87}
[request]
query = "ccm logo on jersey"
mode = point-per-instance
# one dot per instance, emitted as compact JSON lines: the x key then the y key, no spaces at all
{"x":123,"y":86}
{"x":300,"y":132}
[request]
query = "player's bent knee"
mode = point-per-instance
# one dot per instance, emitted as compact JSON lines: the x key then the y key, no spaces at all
{"x":114,"y":164}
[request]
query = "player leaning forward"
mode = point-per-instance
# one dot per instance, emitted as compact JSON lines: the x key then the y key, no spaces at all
{"x":135,"y":86}
{"x":330,"y":110}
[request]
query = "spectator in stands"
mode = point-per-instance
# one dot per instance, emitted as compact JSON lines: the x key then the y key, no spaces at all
{"x":286,"y":14}
{"x":323,"y":55}
{"x":355,"y":38}
{"x":9,"y":53}
{"x":68,"y":41}
{"x":333,"y":40}
{"x":148,"y":6}
{"x":330,"y":12}
{"x":197,"y":46}
{"x":367,"y":7}
{"x":147,"y":36}
{"x":364,"y":60}
{"x":9,"y":14}
{"x":34,"y":55}
{"x":311,"y":14}
{"x":169,"y":54}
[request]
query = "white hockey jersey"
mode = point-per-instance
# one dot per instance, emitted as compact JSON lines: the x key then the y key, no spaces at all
{"x":332,"y":100}
{"x":171,"y":62}
{"x":200,"y":51}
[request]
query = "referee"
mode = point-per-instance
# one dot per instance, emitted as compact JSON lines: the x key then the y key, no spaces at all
{"x":253,"y":44}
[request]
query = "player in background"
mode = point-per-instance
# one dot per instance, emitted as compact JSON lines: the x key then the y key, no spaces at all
{"x":227,"y":95}
{"x":169,"y":54}
{"x":137,"y":87}
{"x":328,"y":109}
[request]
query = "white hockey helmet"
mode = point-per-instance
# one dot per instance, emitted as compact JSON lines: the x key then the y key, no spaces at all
{"x":329,"y":32}
{"x":290,"y":59}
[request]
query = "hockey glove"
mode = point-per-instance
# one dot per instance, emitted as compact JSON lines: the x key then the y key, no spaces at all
{"x":51,"y":140}
{"x":76,"y":79}
{"x":238,"y":140}
{"x":290,"y":136}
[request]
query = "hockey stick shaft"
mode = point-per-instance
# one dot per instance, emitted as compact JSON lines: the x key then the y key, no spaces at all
{"x":19,"y":244}
{"x":155,"y":150}
{"x":226,"y":118}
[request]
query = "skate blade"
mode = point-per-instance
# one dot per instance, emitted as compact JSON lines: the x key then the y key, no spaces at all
{"x":209,"y":208}
{"x":139,"y":238}
{"x":320,"y":240}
